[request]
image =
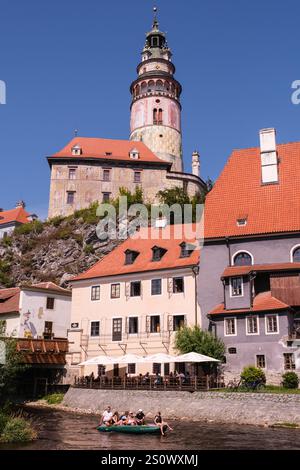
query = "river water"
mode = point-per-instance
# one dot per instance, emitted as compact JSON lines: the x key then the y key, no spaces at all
{"x":59,"y":430}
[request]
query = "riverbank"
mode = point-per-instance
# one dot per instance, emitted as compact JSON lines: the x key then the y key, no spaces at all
{"x":259,"y":409}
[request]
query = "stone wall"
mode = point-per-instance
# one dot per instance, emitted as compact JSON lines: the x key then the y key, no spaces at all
{"x":221,"y":407}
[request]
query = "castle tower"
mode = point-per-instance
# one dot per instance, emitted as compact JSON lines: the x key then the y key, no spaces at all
{"x":155,"y":107}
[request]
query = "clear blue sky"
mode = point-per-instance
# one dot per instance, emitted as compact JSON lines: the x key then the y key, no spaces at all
{"x":69,"y":63}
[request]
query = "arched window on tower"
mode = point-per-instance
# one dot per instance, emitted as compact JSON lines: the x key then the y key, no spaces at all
{"x":160,"y":116}
{"x":173,"y":89}
{"x":155,"y":116}
{"x":159,"y":85}
{"x":151,"y":85}
{"x":167,"y":86}
{"x":137,"y":90}
{"x":143,"y":87}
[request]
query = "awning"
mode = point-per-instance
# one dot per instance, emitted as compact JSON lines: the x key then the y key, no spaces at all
{"x":159,"y":358}
{"x":194,"y":357}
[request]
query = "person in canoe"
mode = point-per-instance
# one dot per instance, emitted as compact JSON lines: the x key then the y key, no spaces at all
{"x":158,"y":421}
{"x":131,"y":419}
{"x":106,"y":416}
{"x":140,"y":417}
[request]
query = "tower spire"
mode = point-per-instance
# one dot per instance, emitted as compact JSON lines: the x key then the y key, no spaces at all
{"x":155,"y":20}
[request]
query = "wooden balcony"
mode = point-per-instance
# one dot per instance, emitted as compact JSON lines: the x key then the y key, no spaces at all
{"x":43,"y":351}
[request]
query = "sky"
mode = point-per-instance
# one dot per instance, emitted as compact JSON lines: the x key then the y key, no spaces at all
{"x":68,"y":64}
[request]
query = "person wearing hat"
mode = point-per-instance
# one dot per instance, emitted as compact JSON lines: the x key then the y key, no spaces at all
{"x":140,"y":417}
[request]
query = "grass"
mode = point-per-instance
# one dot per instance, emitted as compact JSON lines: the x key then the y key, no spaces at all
{"x":15,"y":429}
{"x":266,"y":389}
{"x":286,"y":425}
{"x":54,"y":398}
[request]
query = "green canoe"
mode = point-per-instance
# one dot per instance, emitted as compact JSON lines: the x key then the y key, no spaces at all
{"x":142,"y":429}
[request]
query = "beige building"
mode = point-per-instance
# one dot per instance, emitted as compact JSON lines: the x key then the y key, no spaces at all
{"x":133,"y":301}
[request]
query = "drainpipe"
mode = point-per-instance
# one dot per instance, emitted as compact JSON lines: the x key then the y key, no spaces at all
{"x":227,"y":241}
{"x":224,"y":284}
{"x":195,"y":270}
{"x":252,"y":277}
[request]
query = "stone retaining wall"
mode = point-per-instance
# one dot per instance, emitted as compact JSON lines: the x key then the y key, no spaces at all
{"x":241,"y":408}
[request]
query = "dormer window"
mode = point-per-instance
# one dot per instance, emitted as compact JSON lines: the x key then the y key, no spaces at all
{"x":241,"y":222}
{"x":107,"y":154}
{"x":76,"y":150}
{"x":130,"y":256}
{"x":186,"y":249}
{"x":134,"y":154}
{"x":158,"y":253}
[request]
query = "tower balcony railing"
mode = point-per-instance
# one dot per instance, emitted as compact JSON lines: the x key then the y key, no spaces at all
{"x":155,"y":93}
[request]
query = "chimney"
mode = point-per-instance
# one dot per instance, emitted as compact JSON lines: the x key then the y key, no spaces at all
{"x":20,"y":204}
{"x":268,"y":155}
{"x":196,"y":163}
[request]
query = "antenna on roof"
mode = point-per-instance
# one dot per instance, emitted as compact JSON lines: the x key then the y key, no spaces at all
{"x":76,"y":132}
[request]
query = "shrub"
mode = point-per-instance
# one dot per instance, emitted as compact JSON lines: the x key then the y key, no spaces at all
{"x":6,"y":241}
{"x":54,"y":398}
{"x":89,"y":249}
{"x":3,"y":421}
{"x":17,"y":430}
{"x":251,"y":375}
{"x":35,"y":227}
{"x":290,"y":380}
{"x":55,"y":221}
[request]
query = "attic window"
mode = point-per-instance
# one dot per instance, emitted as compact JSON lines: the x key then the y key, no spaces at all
{"x":134,"y":154}
{"x":108,"y":154}
{"x":158,"y":253}
{"x":130,"y":256}
{"x":241,"y":221}
{"x":186,"y":249}
{"x":76,"y":150}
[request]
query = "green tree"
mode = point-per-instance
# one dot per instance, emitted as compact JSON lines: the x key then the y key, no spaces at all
{"x":13,"y":365}
{"x":193,"y":339}
{"x":180,"y":196}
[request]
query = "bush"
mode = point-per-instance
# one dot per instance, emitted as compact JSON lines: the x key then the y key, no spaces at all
{"x":290,"y":380}
{"x":35,"y":227}
{"x":251,"y":375}
{"x":54,"y":398}
{"x":17,"y":430}
{"x":3,"y":421}
{"x":89,"y":249}
{"x":55,"y":221}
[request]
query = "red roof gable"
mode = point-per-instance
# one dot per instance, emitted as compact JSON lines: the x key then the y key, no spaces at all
{"x":272,"y":267}
{"x":262,"y":302}
{"x":9,"y":300}
{"x":270,"y":208}
{"x":14,"y":215}
{"x":108,"y":149}
{"x":114,"y":263}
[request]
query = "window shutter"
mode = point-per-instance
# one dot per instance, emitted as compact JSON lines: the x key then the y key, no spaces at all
{"x":126,"y":325}
{"x":147,"y":324}
{"x":170,"y":322}
{"x":127,"y":290}
{"x":170,"y":286}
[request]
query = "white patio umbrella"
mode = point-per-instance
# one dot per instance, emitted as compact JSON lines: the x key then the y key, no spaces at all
{"x":129,"y":359}
{"x":194,"y":357}
{"x":159,"y":358}
{"x":103,"y":360}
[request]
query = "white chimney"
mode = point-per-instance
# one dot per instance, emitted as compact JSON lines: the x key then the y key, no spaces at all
{"x":196,"y":163}
{"x":268,"y":155}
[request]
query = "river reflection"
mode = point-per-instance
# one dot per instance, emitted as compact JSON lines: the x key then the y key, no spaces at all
{"x":65,"y":431}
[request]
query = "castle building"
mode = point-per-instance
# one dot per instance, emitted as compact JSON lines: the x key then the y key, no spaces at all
{"x":94,"y":169}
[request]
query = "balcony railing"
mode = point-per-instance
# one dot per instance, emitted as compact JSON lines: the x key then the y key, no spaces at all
{"x":43,"y":351}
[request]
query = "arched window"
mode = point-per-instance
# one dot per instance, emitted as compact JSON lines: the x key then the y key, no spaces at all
{"x":296,"y":255}
{"x":160,"y":116}
{"x":155,"y":116}
{"x":151,"y":85}
{"x":144,"y":87}
{"x":159,"y":85}
{"x":242,"y":259}
{"x":137,"y":90}
{"x":173,"y":89}
{"x":167,"y":86}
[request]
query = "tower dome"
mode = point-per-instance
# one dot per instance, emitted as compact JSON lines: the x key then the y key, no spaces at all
{"x":155,"y":106}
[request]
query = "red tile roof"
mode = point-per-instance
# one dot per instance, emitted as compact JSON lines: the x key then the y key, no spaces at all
{"x":14,"y":215}
{"x":98,"y":148}
{"x":271,"y":208}
{"x":50,"y":286}
{"x":262,"y":302}
{"x":114,"y":263}
{"x":272,"y":267}
{"x":9,"y":300}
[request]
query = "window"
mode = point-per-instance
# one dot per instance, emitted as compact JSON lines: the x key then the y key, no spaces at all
{"x":130,"y":256}
{"x":271,"y":324}
{"x":231,"y":350}
{"x":186,"y":250}
{"x":166,"y":368}
{"x":115,"y":291}
{"x":296,"y":255}
{"x":178,"y":322}
{"x":155,"y":286}
{"x":135,"y":289}
{"x":108,"y":154}
{"x":95,"y":328}
{"x":76,"y":150}
{"x":117,"y":329}
{"x":160,"y":117}
{"x":72,"y":174}
{"x":242,"y":259}
{"x":158,"y":253}
{"x":133,"y":325}
{"x":137,"y":178}
{"x":70,"y":197}
{"x":105,"y":197}
{"x":178,"y":285}
{"x":252,"y":325}
{"x":289,"y":361}
{"x":156,"y":368}
{"x":261,"y":361}
{"x":241,"y":222}
{"x":95,"y":293}
{"x":230,"y":326}
{"x":155,"y":116}
{"x":134,"y":154}
{"x":131,"y":369}
{"x":48,"y":330}
{"x":50,"y":303}
{"x":106,"y":175}
{"x":236,"y":286}
{"x":155,"y":324}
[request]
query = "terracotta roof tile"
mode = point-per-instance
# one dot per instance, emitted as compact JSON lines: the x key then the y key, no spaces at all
{"x":114,"y":263}
{"x":270,"y":208}
{"x":262,"y":302}
{"x":14,"y":215}
{"x":9,"y":300}
{"x":272,"y":267}
{"x":108,"y":149}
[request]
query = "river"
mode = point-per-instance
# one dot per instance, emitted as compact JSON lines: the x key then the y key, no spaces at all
{"x":59,"y":430}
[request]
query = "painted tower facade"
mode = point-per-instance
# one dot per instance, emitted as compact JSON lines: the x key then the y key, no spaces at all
{"x":155,"y":107}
